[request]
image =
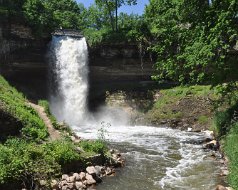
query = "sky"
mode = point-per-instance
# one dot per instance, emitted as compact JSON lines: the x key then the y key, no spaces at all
{"x":137,"y":9}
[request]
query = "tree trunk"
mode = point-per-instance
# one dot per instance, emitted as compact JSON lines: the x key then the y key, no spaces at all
{"x":110,"y":15}
{"x":116,"y":17}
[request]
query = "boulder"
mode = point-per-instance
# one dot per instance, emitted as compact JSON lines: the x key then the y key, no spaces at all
{"x":82,"y":176}
{"x":64,"y":177}
{"x":70,"y":186}
{"x":213,"y":145}
{"x":79,"y":185}
{"x":71,"y":179}
{"x":209,"y":134}
{"x":62,"y":183}
{"x":90,"y":179}
{"x":91,"y":170}
{"x":99,"y":170}
{"x":77,"y":177}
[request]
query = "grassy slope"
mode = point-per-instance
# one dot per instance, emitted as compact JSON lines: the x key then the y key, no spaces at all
{"x":30,"y":158}
{"x":189,"y":105}
{"x":14,"y":103}
{"x":226,"y":126}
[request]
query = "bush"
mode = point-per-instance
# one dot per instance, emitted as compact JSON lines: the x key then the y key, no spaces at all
{"x":62,"y":151}
{"x":27,"y":162}
{"x":97,"y":146}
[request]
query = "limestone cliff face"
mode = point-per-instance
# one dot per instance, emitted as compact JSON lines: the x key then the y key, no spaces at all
{"x":23,"y":61}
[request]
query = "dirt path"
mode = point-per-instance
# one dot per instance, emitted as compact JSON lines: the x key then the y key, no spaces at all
{"x":54,"y":134}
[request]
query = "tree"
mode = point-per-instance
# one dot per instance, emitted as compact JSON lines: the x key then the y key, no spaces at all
{"x":112,"y":9}
{"x":194,"y":40}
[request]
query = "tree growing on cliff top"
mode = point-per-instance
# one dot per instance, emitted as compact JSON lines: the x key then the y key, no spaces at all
{"x":111,"y":7}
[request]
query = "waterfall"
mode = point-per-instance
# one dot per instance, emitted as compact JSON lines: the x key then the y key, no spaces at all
{"x":69,"y":73}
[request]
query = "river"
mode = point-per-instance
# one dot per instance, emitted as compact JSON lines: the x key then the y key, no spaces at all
{"x":158,"y":158}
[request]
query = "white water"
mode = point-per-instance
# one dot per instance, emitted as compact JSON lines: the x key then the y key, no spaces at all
{"x":70,"y":70}
{"x":157,"y":158}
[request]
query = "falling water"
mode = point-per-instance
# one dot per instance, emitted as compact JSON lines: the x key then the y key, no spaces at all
{"x":69,"y":72}
{"x":157,"y":158}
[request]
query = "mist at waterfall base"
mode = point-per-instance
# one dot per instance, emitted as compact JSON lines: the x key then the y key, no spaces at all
{"x":156,"y":158}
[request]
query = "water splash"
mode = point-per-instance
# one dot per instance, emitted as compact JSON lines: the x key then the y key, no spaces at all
{"x":69,"y":81}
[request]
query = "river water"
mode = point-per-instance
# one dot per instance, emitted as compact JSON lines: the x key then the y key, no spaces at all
{"x":158,"y":158}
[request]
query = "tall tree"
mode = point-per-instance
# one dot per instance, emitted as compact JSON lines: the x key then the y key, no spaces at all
{"x":112,"y":7}
{"x":194,"y":46}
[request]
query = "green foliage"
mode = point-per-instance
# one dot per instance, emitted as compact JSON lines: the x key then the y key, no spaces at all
{"x":62,"y":151}
{"x":97,"y":146}
{"x":46,"y":106}
{"x":193,"y":40}
{"x":174,"y":103}
{"x":12,"y":102}
{"x":27,"y":162}
{"x":231,"y":150}
{"x":45,"y":16}
{"x":223,"y":120}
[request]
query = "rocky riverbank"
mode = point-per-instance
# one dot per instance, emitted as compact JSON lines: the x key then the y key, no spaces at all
{"x":88,"y":178}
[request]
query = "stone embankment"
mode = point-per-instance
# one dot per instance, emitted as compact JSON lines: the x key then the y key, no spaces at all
{"x":89,"y":178}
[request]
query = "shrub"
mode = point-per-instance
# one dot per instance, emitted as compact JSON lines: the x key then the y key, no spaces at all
{"x":97,"y":146}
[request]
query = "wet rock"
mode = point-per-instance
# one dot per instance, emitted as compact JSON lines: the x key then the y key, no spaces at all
{"x":99,"y":170}
{"x":220,"y":187}
{"x":90,"y":179}
{"x":108,"y":171}
{"x":213,"y":145}
{"x":91,"y":170}
{"x":209,"y":134}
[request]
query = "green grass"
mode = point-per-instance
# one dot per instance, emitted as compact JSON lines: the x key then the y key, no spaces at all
{"x":23,"y":161}
{"x":14,"y":103}
{"x":231,"y":150}
{"x":168,"y":106}
{"x":175,"y":94}
{"x":45,"y":105}
{"x":226,"y":128}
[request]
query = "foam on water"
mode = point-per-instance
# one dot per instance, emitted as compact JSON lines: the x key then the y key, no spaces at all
{"x":177,"y":165}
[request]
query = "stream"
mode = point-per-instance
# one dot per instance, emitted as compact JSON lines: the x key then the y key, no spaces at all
{"x":158,"y":158}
